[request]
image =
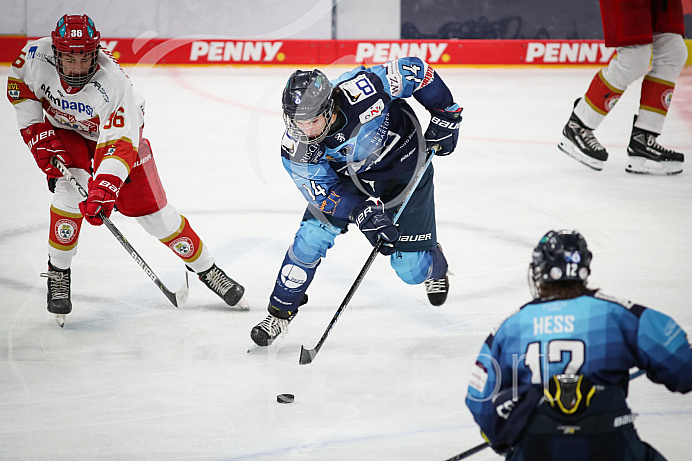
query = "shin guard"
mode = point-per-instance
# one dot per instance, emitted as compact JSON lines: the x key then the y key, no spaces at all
{"x":63,"y":236}
{"x":185,"y":243}
{"x":601,"y":95}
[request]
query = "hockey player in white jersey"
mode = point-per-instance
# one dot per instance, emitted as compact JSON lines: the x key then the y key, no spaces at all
{"x":74,"y":102}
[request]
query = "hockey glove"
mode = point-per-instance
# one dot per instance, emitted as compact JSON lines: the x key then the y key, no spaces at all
{"x":375,"y":224}
{"x":44,"y":145}
{"x":444,"y":129}
{"x":103,"y":191}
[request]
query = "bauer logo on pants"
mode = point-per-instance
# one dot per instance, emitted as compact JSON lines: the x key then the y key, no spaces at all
{"x":293,"y":276}
{"x":183,"y":247}
{"x":65,"y":231}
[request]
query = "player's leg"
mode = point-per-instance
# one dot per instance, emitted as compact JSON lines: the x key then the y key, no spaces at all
{"x":603,"y":93}
{"x":310,"y":245}
{"x":143,"y":197}
{"x":65,"y":223}
{"x":646,"y":155}
{"x":418,"y":257}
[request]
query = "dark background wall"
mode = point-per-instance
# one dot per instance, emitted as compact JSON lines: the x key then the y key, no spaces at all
{"x":496,"y":19}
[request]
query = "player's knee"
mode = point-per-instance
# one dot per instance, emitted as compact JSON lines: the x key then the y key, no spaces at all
{"x":312,"y":240}
{"x":631,"y":63}
{"x":65,"y":196}
{"x":411,"y":267}
{"x":162,"y":223}
{"x":669,"y":56}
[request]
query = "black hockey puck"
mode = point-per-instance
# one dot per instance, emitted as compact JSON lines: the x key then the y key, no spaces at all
{"x":285,"y":398}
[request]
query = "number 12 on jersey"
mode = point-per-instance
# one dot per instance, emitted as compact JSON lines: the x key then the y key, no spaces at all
{"x":538,"y":361}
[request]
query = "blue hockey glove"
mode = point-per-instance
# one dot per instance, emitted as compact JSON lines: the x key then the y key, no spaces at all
{"x":444,"y":129}
{"x":375,"y":224}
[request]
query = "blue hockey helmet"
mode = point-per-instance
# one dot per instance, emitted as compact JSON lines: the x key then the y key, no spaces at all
{"x":560,"y":256}
{"x":307,"y":96}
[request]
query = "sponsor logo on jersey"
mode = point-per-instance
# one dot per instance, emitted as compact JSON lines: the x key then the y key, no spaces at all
{"x":383,"y":52}
{"x":358,"y":89}
{"x":415,"y":238}
{"x":31,"y":54}
{"x":63,"y":104}
{"x":394,"y":78}
{"x":556,"y":52}
{"x":213,"y":51}
{"x":183,"y":247}
{"x":65,"y":231}
{"x":479,"y":376}
{"x":373,"y":111}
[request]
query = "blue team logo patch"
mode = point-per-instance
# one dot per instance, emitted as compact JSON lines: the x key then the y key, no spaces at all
{"x":297,"y":100}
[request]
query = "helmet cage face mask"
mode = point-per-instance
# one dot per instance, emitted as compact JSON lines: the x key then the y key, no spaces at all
{"x":559,"y":257}
{"x":306,"y":97}
{"x":76,"y":41}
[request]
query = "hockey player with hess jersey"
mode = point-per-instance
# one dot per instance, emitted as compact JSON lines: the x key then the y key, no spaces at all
{"x":550,"y":383}
{"x":644,"y":31}
{"x":352,"y":147}
{"x":74,"y":102}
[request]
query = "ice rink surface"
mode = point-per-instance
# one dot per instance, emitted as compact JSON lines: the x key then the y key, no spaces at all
{"x":132,"y":377}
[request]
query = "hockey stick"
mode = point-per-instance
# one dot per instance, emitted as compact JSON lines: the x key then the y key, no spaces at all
{"x":483,"y":445}
{"x":177,"y":298}
{"x":308,"y":355}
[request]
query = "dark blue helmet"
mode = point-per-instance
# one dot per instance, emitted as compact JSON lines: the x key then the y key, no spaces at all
{"x":560,"y":256}
{"x":307,"y":95}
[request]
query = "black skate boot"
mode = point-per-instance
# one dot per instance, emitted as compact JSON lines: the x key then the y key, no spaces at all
{"x":646,"y":156}
{"x":228,"y":289}
{"x":437,"y":290}
{"x":580,"y":143}
{"x":275,"y":325}
{"x":59,"y":302}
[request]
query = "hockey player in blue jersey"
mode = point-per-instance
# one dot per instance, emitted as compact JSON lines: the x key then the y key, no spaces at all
{"x":550,"y":383}
{"x":352,"y":147}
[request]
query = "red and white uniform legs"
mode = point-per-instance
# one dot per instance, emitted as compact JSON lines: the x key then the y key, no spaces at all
{"x":632,"y":62}
{"x":65,"y":221}
{"x":174,"y":231}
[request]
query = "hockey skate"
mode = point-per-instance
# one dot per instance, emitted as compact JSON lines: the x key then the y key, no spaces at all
{"x":646,"y":156}
{"x":580,"y":143}
{"x":228,"y":289}
{"x":59,"y":302}
{"x":273,"y":326}
{"x":437,"y":290}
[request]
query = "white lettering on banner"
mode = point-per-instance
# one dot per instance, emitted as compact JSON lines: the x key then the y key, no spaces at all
{"x":109,"y":45}
{"x":383,"y":52}
{"x":234,"y":51}
{"x":557,"y":52}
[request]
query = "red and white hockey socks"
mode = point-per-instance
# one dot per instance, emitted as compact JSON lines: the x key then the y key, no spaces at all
{"x":188,"y":246}
{"x":63,"y":236}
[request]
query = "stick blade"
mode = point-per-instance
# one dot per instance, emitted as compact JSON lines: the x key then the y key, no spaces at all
{"x":307,"y":355}
{"x":182,"y":294}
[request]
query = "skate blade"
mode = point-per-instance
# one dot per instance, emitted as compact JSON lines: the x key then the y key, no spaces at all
{"x":570,"y":149}
{"x":242,"y":304}
{"x":60,"y":318}
{"x":642,"y":165}
{"x":253,"y":347}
